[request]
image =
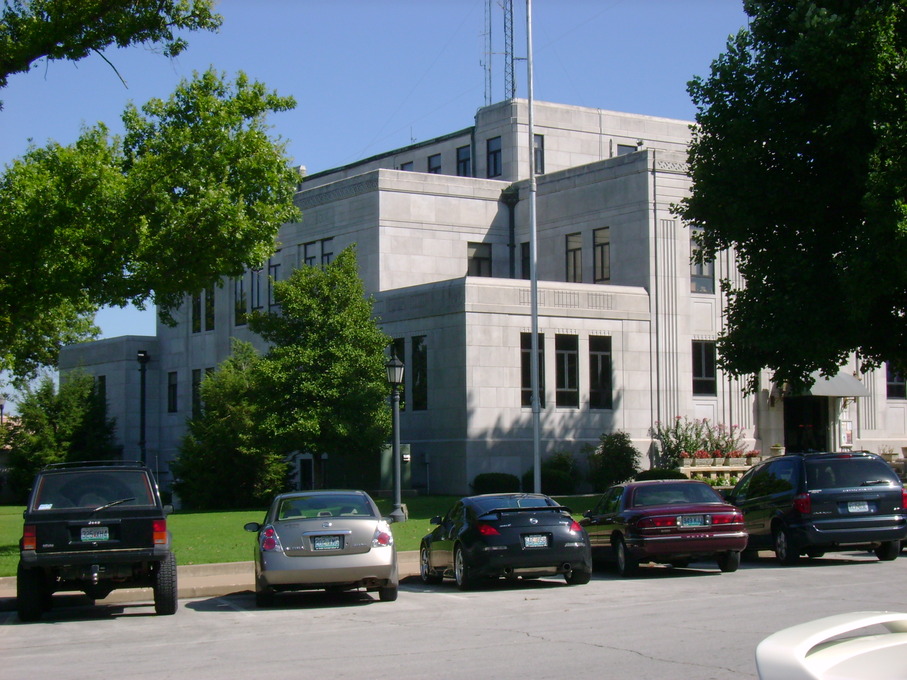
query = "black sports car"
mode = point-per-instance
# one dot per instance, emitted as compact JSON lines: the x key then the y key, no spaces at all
{"x":511,"y":535}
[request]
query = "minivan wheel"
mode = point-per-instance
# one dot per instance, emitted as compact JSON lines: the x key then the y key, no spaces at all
{"x":888,"y":550}
{"x":785,"y":551}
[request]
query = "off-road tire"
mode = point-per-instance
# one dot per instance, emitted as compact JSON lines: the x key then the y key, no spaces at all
{"x":166,"y":594}
{"x":30,"y":594}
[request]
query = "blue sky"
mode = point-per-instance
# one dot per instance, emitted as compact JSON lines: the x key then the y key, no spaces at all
{"x":373,"y":75}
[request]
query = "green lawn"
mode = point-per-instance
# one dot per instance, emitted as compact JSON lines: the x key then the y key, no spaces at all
{"x":206,"y":537}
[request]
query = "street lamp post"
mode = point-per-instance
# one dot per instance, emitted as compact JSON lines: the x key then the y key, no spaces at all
{"x":395,"y":378}
{"x":143,"y":358}
{"x":2,"y":404}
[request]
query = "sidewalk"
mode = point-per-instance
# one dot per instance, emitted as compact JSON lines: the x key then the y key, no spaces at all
{"x":200,"y":580}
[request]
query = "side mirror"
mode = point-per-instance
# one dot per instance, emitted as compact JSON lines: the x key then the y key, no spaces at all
{"x":252,"y":526}
{"x":435,"y":520}
{"x":168,"y":509}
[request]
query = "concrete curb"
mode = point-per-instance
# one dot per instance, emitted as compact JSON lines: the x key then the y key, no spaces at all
{"x":197,"y":580}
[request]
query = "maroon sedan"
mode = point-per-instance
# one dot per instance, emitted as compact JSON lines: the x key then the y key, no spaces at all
{"x":665,"y":520}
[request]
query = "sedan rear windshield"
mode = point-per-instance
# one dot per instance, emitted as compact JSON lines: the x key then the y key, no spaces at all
{"x":838,"y":473}
{"x":92,"y":489}
{"x":667,"y":494}
{"x":324,"y":505}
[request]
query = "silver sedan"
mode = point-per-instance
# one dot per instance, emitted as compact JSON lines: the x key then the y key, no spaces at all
{"x":333,"y":540}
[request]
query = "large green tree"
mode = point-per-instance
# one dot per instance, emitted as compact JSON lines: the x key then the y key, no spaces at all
{"x":58,"y":425}
{"x":324,"y":379}
{"x":195,"y":190}
{"x":799,"y":163}
{"x":72,"y":29}
{"x":225,"y":460}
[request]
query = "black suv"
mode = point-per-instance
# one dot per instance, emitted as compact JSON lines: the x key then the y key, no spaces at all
{"x":94,"y":527}
{"x":812,"y":502}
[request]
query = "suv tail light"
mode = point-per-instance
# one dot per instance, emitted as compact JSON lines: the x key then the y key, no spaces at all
{"x":29,"y":537}
{"x":159,"y":528}
{"x":803,"y":503}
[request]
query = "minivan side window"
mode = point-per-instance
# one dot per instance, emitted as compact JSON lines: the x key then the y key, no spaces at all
{"x":776,"y":477}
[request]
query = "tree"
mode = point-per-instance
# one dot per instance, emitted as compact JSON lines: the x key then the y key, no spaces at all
{"x":193,"y":192}
{"x":324,"y":377}
{"x":56,"y":426}
{"x":615,"y":460}
{"x":72,"y":29}
{"x":799,"y":163}
{"x":225,"y":461}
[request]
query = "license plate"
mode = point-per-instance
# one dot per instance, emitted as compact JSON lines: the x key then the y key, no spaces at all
{"x":95,"y":534}
{"x":535,"y":541}
{"x":327,"y":542}
{"x":693,"y":521}
{"x":857,"y":506}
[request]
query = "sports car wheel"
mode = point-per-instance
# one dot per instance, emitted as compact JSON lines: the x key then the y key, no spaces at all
{"x":785,"y":551}
{"x":578,"y":577}
{"x":627,"y":565}
{"x":426,"y":573}
{"x":729,"y":561}
{"x":462,"y":571}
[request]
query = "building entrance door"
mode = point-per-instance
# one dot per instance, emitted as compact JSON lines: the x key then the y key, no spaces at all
{"x":806,"y":424}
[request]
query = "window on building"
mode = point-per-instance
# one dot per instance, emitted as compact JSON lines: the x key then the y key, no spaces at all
{"x":896,"y":386}
{"x":526,"y":369}
{"x":310,"y":254}
{"x":196,"y":392}
{"x":240,"y":304}
{"x":525,"y":263}
{"x":408,"y":166}
{"x":624,"y":149}
{"x":566,"y":357}
{"x":327,"y":251}
{"x":434,"y":164}
{"x":702,"y":276}
{"x":600,"y":392}
{"x":601,"y":255}
{"x":493,"y":157}
{"x":419,"y":373}
{"x":705,"y":381}
{"x":479,"y":259}
{"x":202,"y":310}
{"x":209,"y":308}
{"x":171,"y":392}
{"x":574,"y":258}
{"x":464,"y":161}
{"x":273,"y":277}
{"x":196,"y":313}
{"x":255,"y":292}
{"x":538,"y":156}
{"x":398,"y":349}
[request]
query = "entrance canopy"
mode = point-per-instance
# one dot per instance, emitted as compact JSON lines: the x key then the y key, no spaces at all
{"x":840,"y":385}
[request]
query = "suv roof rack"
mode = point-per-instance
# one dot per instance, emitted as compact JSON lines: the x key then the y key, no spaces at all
{"x":94,"y":463}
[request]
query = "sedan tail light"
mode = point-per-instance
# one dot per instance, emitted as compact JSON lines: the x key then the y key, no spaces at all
{"x":658,"y":522}
{"x":575,"y":527}
{"x":727,"y":518}
{"x":383,"y":537}
{"x":803,"y":503}
{"x":29,"y":537}
{"x":269,"y":540}
{"x":487,"y":529}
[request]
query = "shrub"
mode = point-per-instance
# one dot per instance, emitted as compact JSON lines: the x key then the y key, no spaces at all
{"x":559,"y":475}
{"x":615,"y":460}
{"x":495,"y":482}
{"x":660,"y":473}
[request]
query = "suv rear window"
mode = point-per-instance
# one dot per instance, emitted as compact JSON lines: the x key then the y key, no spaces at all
{"x":837,"y":473}
{"x":92,"y":489}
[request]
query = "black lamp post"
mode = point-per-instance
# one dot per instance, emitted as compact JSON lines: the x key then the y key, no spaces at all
{"x":395,"y":378}
{"x":143,"y":358}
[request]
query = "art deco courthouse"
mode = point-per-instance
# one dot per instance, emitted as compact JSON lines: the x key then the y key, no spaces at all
{"x":441,"y":228}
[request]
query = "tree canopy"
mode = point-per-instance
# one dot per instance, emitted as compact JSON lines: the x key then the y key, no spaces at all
{"x":799,"y":163}
{"x":72,"y":29}
{"x":194,"y":191}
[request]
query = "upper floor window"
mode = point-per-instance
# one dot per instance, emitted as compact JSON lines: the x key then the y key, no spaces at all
{"x":702,"y":276}
{"x":202,"y":310}
{"x":525,"y":264}
{"x":172,"y":385}
{"x":575,"y":258}
{"x":240,"y":304}
{"x":273,"y":277}
{"x":538,"y":156}
{"x":705,"y":382}
{"x":526,"y":369}
{"x":896,"y":386}
{"x":566,"y":355}
{"x":493,"y":157}
{"x":327,"y":251}
{"x":408,"y":166}
{"x":464,"y":161}
{"x":479,"y":259}
{"x":434,"y":164}
{"x":601,"y":255}
{"x":419,"y":371}
{"x":600,"y":372}
{"x":257,"y":281}
{"x":317,"y":252}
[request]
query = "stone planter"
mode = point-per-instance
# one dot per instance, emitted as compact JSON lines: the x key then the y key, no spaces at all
{"x":777,"y":450}
{"x":735,"y":461}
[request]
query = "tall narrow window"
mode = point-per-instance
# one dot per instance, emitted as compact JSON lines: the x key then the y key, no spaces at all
{"x":240,"y":304}
{"x":526,"y":369}
{"x":398,"y":349}
{"x":574,"y":258}
{"x":601,"y":255}
{"x":464,"y":161}
{"x":209,"y":308}
{"x":310,"y":254}
{"x":479,"y":259}
{"x":434,"y":164}
{"x":273,"y":277}
{"x":327,"y":251}
{"x":493,"y":157}
{"x":600,"y":372}
{"x":256,"y":288}
{"x":525,"y":265}
{"x":196,"y":392}
{"x":896,"y":387}
{"x":196,"y":311}
{"x":419,"y":373}
{"x":539,"y":155}
{"x":702,"y":276}
{"x":172,"y":385}
{"x":566,"y":356}
{"x":705,"y":382}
